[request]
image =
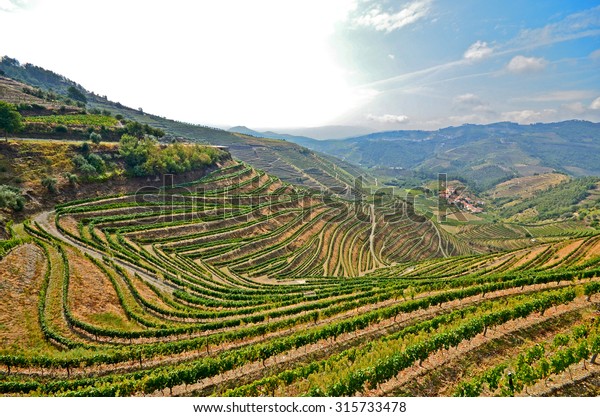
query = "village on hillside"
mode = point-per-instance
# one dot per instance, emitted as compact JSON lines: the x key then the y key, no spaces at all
{"x":454,"y":196}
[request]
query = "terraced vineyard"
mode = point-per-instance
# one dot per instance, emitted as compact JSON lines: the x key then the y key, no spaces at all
{"x":240,"y":222}
{"x":509,"y":236}
{"x":239,"y":284}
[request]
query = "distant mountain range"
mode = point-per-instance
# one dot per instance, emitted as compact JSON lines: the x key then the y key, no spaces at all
{"x":482,"y":155}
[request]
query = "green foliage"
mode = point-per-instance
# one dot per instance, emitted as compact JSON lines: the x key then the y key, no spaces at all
{"x":92,"y":120}
{"x":10,"y":197}
{"x":97,"y":162}
{"x":50,"y":184}
{"x":34,"y":75}
{"x":7,"y":245}
{"x":557,"y":201}
{"x":591,"y":289}
{"x":10,"y":119}
{"x":95,"y":137}
{"x":560,"y":340}
{"x":90,"y":165}
{"x":61,"y":129}
{"x":140,"y":130}
{"x":144,"y":156}
{"x":72,"y":178}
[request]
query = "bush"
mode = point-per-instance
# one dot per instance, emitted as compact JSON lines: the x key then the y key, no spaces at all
{"x":10,"y":197}
{"x":143,"y":156}
{"x":61,"y":129}
{"x":95,"y":137}
{"x":141,"y":130}
{"x":50,"y":184}
{"x":88,"y":170}
{"x":72,"y":178}
{"x":97,"y":162}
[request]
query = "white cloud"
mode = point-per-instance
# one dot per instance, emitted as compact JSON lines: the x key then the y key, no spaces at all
{"x":576,"y":107}
{"x":13,"y":5}
{"x":388,"y":22}
{"x":576,"y":26}
{"x":478,"y":51}
{"x":595,"y":104}
{"x":468,"y":99}
{"x":388,"y":118}
{"x":524,"y":65}
{"x":583,"y":24}
{"x":471,"y":102}
{"x":595,"y":54}
{"x":529,"y":116}
{"x":391,"y":56}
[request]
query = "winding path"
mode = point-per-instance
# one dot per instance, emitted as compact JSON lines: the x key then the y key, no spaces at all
{"x":46,"y":220}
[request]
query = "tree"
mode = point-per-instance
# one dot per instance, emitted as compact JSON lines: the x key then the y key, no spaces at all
{"x":10,"y":119}
{"x":135,"y":150}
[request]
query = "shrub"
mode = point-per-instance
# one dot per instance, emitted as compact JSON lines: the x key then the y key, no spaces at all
{"x":97,"y":162}
{"x":95,"y":137}
{"x":88,"y":170}
{"x":10,"y":197}
{"x":72,"y":178}
{"x":50,"y":184}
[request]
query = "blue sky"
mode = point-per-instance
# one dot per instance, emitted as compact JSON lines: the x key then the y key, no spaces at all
{"x":464,"y":61}
{"x":285,"y":63}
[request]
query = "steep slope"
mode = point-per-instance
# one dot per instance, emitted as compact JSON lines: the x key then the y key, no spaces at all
{"x":299,"y":140}
{"x":290,"y":162}
{"x":239,"y":221}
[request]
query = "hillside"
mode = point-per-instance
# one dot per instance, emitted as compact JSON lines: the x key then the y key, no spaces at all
{"x":575,"y":197}
{"x":483,"y":155}
{"x":299,"y":140}
{"x":110,"y":298}
{"x":47,"y":172}
{"x":292,"y":163}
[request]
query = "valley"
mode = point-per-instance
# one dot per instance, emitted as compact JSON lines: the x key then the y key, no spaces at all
{"x":140,"y":256}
